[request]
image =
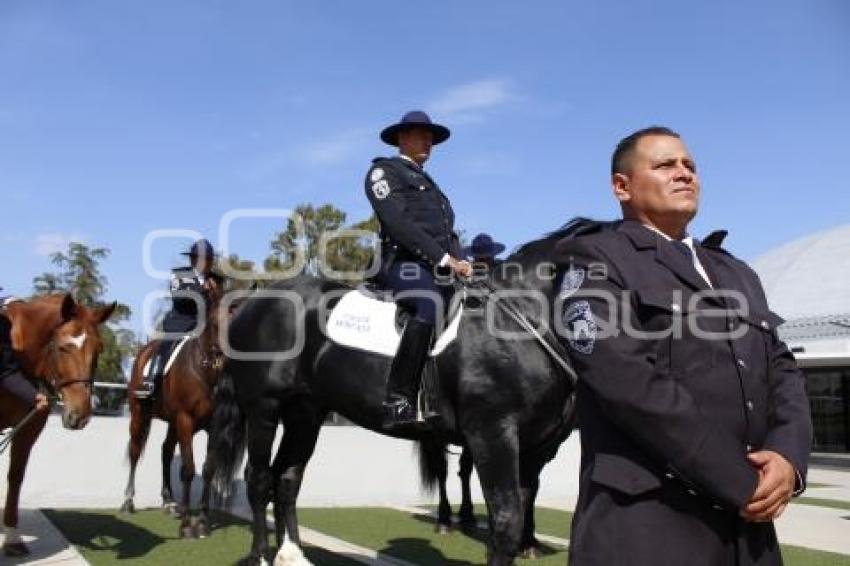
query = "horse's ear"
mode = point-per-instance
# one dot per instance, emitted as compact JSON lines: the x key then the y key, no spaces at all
{"x":69,"y":308}
{"x":103,"y":313}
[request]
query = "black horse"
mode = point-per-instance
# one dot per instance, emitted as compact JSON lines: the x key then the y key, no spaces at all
{"x":503,"y":396}
{"x":434,"y":469}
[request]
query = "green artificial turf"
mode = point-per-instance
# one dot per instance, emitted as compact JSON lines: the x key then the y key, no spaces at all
{"x":820,"y":502}
{"x":149,"y":537}
{"x":410,"y":537}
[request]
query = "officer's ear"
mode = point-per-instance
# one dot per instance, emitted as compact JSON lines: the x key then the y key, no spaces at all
{"x":621,"y":185}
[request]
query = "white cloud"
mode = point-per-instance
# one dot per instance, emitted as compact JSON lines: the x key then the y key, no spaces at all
{"x":51,"y":242}
{"x":465,"y":101}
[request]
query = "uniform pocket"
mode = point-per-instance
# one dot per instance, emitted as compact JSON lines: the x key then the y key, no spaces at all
{"x":623,"y":474}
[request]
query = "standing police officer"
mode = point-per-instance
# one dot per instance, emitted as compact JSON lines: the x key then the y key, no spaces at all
{"x":190,"y":286}
{"x":417,"y":239}
{"x":695,"y":425}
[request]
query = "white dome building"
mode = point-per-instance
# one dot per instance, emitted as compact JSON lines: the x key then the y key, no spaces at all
{"x":807,"y":282}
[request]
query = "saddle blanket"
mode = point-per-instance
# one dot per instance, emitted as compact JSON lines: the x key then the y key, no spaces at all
{"x":362,"y":322}
{"x":175,"y":351}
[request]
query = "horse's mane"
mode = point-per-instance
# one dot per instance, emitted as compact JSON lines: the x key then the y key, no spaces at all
{"x":540,"y":250}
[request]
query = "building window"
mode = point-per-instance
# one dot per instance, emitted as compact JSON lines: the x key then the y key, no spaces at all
{"x":829,"y":395}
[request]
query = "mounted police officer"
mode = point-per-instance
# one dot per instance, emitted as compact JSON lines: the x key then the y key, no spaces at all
{"x":483,"y":253}
{"x":12,"y":380}
{"x":417,"y":243}
{"x":190,"y":289}
{"x":695,"y":424}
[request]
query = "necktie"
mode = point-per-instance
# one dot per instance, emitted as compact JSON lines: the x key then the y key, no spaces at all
{"x":683,"y":248}
{"x":688,"y":252}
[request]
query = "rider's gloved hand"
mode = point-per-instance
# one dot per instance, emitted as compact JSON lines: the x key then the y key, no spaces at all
{"x":460,"y":267}
{"x":41,"y":402}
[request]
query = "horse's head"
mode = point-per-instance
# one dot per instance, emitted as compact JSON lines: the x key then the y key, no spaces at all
{"x":529,"y":275}
{"x":58,"y":342}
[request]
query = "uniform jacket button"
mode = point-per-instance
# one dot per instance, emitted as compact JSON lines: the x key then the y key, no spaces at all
{"x":749,"y":405}
{"x":742,"y":363}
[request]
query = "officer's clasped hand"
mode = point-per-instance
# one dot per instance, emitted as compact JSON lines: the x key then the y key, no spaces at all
{"x":777,"y":478}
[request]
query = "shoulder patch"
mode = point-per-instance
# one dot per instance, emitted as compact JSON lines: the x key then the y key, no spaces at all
{"x":376,"y":175}
{"x":573,"y":278}
{"x":381,"y":189}
{"x":580,"y":326}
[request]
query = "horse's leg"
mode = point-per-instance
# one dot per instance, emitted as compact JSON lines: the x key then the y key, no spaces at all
{"x":444,"y":509}
{"x":140,"y":423}
{"x":296,"y":448}
{"x":22,"y":443}
{"x":185,"y":430}
{"x":530,"y":482}
{"x":167,"y":457}
{"x":260,"y":431}
{"x":496,"y":454}
{"x":202,"y":529}
{"x":466,"y":515}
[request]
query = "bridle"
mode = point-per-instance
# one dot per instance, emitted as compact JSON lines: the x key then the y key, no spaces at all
{"x":549,"y":344}
{"x":54,"y":382}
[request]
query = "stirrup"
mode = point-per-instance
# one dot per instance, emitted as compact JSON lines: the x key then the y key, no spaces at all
{"x":424,"y":413}
{"x":144,"y":391}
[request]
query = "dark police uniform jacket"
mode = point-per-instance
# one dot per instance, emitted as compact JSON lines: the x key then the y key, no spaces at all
{"x":8,"y":360}
{"x":187,"y":290}
{"x":666,"y":422}
{"x":417,"y":220}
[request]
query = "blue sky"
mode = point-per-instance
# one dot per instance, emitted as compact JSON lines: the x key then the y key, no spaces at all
{"x":119,"y":118}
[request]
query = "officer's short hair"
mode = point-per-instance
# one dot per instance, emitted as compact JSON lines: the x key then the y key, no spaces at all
{"x":626,"y":146}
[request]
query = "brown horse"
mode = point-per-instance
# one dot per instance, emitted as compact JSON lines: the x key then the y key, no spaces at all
{"x":57,"y":343}
{"x":185,"y":402}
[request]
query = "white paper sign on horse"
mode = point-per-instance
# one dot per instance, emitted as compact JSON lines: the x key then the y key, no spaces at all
{"x":361,"y":322}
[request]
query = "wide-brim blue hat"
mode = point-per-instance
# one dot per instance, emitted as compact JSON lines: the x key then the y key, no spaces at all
{"x":483,"y":246}
{"x":415,"y":119}
{"x":201,"y":248}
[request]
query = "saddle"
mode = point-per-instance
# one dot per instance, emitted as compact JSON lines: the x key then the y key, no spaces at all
{"x":367,"y":319}
{"x":172,"y":355}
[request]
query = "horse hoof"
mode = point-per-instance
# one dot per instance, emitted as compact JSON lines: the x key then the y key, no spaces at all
{"x":16,"y":550}
{"x":442,"y":529}
{"x":128,"y":507}
{"x":186,"y":530}
{"x":530,"y":553}
{"x":202,"y":530}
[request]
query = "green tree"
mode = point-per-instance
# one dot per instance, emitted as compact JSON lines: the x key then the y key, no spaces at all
{"x":342,"y":254}
{"x":246,"y":268}
{"x":78,"y":273}
{"x":354,"y":254}
{"x":315,"y":222}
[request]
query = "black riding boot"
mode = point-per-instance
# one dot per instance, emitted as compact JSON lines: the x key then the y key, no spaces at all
{"x":406,"y":373}
{"x":152,"y":379}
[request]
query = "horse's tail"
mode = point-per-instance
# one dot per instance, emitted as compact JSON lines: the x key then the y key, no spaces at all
{"x":433,"y":464}
{"x":140,"y":412}
{"x":227,"y":437}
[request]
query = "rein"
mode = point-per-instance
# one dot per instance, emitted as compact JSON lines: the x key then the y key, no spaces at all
{"x":6,"y":441}
{"x":554,"y":350}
